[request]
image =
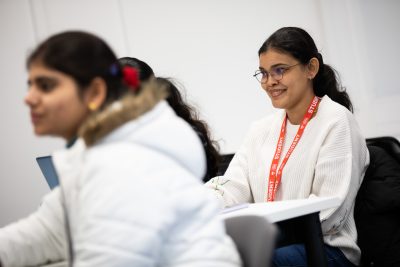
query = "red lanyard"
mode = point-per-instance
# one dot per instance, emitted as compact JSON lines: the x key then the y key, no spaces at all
{"x":275,"y":174}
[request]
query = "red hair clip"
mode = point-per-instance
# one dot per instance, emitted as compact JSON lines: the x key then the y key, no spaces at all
{"x":131,"y":77}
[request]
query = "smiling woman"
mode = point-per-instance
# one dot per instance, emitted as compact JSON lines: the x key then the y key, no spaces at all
{"x":107,"y":210}
{"x":293,"y":91}
{"x":311,"y":147}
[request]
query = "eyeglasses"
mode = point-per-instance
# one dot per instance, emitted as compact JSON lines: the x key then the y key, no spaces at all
{"x":277,"y":73}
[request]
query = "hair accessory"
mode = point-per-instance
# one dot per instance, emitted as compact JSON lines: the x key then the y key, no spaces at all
{"x":114,"y":69}
{"x":131,"y":77}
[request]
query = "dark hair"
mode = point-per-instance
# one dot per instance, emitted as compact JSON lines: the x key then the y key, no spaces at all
{"x":83,"y":56}
{"x":300,"y":45}
{"x":190,"y":115}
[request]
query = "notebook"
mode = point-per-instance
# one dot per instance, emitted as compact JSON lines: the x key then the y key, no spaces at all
{"x":48,"y":170}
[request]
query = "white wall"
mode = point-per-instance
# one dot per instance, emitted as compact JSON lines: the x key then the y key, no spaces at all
{"x":211,"y":48}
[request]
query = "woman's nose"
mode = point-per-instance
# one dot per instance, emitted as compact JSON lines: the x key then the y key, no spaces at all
{"x":31,"y":98}
{"x":271,"y":81}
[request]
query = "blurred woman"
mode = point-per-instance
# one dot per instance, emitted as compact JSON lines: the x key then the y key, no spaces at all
{"x":129,"y":191}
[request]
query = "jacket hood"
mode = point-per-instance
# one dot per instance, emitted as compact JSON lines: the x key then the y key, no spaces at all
{"x":146,"y":119}
{"x":130,"y":107}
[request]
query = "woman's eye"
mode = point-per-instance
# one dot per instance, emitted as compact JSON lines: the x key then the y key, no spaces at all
{"x":46,"y":86}
{"x":279,"y":70}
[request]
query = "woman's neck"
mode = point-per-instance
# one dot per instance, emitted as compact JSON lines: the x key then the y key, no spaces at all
{"x":296,"y":114}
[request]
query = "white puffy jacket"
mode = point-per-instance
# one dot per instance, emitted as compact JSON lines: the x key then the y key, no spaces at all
{"x":133,"y":199}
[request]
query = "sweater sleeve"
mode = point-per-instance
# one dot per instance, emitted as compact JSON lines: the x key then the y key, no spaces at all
{"x":339,"y":171}
{"x":233,"y":187}
{"x":37,"y":239}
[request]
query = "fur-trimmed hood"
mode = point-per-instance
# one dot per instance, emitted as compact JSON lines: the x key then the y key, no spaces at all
{"x":130,"y":107}
{"x":147,"y":120}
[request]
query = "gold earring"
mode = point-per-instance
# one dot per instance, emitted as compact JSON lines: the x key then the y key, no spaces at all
{"x":92,"y":106}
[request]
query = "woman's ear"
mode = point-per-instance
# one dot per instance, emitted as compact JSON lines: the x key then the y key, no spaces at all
{"x":95,"y":95}
{"x":313,"y":67}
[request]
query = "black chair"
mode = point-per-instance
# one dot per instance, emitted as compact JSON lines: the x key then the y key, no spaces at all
{"x":390,"y":144}
{"x":377,"y":207}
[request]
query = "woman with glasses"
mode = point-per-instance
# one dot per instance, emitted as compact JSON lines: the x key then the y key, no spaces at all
{"x":130,"y":191}
{"x":310,"y":147}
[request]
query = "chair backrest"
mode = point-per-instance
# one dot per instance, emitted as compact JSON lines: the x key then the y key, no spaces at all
{"x":254,"y":237}
{"x":390,"y":144}
{"x":377,"y":207}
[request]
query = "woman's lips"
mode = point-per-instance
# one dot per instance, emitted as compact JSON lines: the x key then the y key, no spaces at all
{"x":35,"y":117}
{"x":276,"y":92}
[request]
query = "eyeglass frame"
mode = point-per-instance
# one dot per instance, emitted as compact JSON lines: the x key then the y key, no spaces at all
{"x":284,"y":69}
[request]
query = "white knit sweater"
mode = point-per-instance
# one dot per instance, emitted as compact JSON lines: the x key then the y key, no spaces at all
{"x":329,"y":161}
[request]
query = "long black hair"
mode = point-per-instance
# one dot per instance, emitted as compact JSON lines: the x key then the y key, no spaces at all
{"x":300,"y":45}
{"x":191,"y":116}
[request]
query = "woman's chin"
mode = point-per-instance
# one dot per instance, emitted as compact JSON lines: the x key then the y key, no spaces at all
{"x":278,"y":100}
{"x":40,"y":132}
{"x":277,"y":103}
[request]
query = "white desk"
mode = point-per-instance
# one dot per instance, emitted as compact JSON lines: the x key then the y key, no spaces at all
{"x":280,"y":211}
{"x":57,"y":264}
{"x":283,"y":210}
{"x":304,"y":213}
